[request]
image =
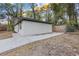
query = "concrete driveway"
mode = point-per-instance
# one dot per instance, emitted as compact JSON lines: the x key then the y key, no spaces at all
{"x":17,"y":40}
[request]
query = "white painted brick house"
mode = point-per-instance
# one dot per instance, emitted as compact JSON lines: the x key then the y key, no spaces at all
{"x":33,"y":27}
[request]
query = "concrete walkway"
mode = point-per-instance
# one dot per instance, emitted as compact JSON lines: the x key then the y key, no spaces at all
{"x":18,"y":41}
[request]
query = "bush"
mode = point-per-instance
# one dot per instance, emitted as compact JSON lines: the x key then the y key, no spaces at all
{"x":70,"y":29}
{"x":71,"y":26}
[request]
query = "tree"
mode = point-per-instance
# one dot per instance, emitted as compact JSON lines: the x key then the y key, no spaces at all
{"x":33,"y":6}
{"x":13,"y":11}
{"x":9,"y":8}
{"x":38,"y":12}
{"x":72,"y":13}
{"x":29,"y":14}
{"x":47,"y":10}
{"x":58,"y":11}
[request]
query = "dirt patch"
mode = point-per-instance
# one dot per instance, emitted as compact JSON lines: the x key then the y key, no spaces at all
{"x":5,"y":34}
{"x":62,"y":45}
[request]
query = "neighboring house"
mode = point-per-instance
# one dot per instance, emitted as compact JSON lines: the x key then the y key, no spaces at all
{"x":33,"y":27}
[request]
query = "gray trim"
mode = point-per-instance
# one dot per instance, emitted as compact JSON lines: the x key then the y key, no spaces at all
{"x":34,"y":20}
{"x":30,"y":19}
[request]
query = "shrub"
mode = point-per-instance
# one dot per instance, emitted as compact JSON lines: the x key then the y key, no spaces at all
{"x":71,"y":26}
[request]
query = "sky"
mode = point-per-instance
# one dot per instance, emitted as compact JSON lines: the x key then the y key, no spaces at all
{"x":27,"y":6}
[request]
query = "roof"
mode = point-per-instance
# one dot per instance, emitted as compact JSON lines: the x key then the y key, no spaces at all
{"x":31,"y":20}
